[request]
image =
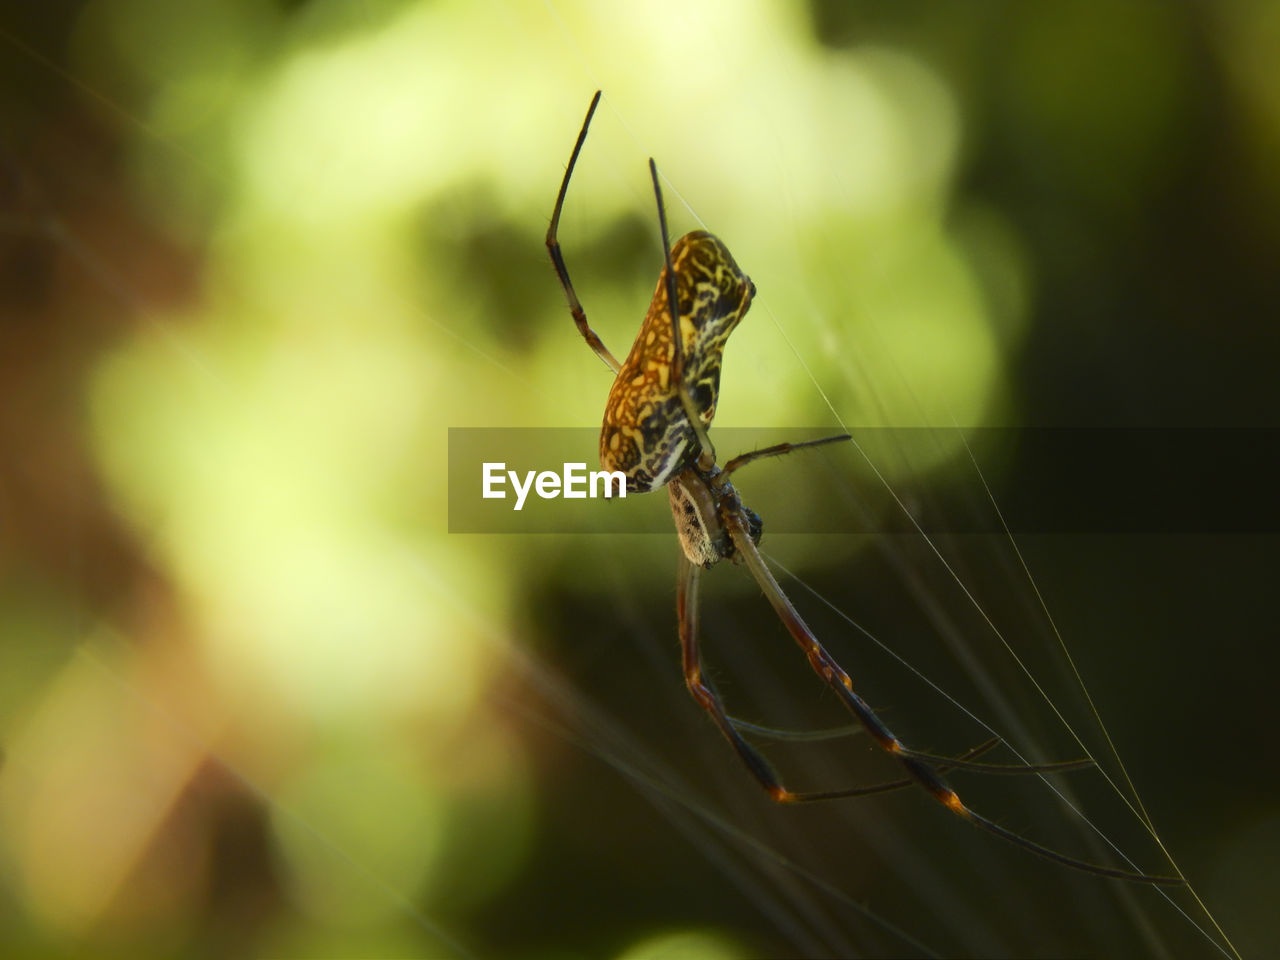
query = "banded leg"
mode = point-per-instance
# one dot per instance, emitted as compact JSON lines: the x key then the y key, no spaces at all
{"x":709,"y":700}
{"x":922,"y":768}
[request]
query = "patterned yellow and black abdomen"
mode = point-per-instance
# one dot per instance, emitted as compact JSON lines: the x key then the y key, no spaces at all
{"x":646,"y":434}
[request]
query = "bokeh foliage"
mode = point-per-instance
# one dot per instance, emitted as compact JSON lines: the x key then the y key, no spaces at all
{"x":258,"y":257}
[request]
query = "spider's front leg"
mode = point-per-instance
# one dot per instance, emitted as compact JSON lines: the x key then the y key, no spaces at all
{"x":557,"y":255}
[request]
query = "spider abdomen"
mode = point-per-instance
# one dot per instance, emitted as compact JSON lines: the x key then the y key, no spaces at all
{"x":646,"y":434}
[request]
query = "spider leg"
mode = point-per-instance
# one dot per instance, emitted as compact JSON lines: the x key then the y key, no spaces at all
{"x":777,"y":450}
{"x":557,"y":257}
{"x":944,"y":764}
{"x":707,"y":457}
{"x":702,"y":692}
{"x":923,"y":769}
{"x":889,"y":785}
{"x":709,"y":700}
{"x":796,"y":736}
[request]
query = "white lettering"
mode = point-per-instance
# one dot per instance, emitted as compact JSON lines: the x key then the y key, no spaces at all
{"x":548,"y":485}
{"x":521,"y":492}
{"x":608,"y":477}
{"x":575,"y":473}
{"x":493,"y":475}
{"x":574,"y":484}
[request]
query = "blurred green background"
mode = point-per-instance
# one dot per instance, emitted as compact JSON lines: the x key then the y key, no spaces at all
{"x":258,"y":258}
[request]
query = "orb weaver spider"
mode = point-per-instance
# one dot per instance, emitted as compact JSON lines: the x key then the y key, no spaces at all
{"x":656,"y":419}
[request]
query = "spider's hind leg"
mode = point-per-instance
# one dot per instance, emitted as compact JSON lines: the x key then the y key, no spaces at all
{"x":753,"y":759}
{"x":923,"y":769}
{"x":709,"y":700}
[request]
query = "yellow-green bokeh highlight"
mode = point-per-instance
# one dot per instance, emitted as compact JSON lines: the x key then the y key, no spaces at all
{"x":685,"y":945}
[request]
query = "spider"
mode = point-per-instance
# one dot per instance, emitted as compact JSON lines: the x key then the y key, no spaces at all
{"x":655,"y":432}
